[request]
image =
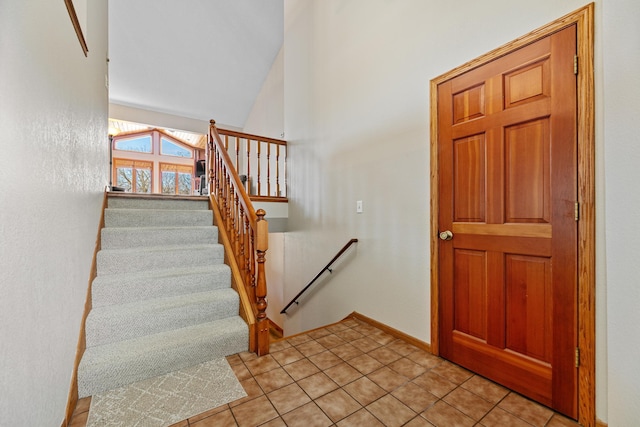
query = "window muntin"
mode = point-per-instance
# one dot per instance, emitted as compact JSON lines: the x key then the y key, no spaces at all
{"x":169,"y":148}
{"x":139,"y":144}
{"x":176,"y":179}
{"x":133,"y":176}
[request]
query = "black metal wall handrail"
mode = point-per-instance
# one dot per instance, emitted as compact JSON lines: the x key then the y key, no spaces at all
{"x":326,"y":268}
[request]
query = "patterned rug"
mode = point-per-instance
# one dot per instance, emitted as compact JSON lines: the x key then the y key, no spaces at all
{"x":167,"y":399}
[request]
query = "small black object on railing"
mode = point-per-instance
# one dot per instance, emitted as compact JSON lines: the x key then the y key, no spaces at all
{"x":326,"y":268}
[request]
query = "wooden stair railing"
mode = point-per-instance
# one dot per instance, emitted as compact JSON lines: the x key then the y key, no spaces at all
{"x":244,"y":233}
{"x":326,"y":268}
{"x":262,"y":161}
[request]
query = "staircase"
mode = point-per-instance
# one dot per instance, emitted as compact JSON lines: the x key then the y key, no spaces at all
{"x":162,"y":299}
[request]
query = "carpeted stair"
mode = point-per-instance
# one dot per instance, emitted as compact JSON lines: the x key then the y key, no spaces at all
{"x":162,"y":298}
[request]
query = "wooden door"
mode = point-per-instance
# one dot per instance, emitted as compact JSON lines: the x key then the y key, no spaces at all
{"x":507,"y":191}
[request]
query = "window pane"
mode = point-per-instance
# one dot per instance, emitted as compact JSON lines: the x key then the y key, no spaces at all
{"x":168,"y":148}
{"x":124,"y":178}
{"x":143,"y":181}
{"x":184,"y":183}
{"x":141,"y":144}
{"x":168,"y":183}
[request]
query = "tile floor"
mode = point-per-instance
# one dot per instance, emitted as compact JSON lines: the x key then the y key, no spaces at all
{"x":353,"y":374}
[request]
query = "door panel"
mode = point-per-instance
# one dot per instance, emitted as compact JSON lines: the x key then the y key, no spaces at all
{"x":507,"y":188}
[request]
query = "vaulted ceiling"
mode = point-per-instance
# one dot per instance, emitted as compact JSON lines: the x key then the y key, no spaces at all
{"x":202,"y":59}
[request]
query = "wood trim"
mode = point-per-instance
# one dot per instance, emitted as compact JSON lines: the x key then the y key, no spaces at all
{"x":584,"y":20}
{"x":76,"y":26}
{"x":276,"y":327}
{"x":269,"y":199}
{"x":72,"y":398}
{"x":600,"y":423}
{"x":243,"y":135}
{"x":391,"y":331}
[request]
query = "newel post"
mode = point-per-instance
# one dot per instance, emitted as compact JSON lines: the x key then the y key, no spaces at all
{"x":262,"y":244}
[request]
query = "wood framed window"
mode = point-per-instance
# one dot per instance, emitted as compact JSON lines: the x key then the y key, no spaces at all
{"x":176,"y":179}
{"x":133,"y":176}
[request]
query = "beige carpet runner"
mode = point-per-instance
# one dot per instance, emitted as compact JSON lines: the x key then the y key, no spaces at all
{"x":167,"y":399}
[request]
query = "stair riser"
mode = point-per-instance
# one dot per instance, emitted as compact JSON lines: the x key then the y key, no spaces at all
{"x":107,"y":326}
{"x":134,"y":203}
{"x":126,"y":237}
{"x":156,"y":218}
{"x":122,"y":289}
{"x":140,"y":359}
{"x":126,"y":261}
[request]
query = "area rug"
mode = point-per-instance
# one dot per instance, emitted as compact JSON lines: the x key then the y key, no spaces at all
{"x":167,"y":399}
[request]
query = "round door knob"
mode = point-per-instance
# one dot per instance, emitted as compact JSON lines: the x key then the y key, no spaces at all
{"x":446,"y":235}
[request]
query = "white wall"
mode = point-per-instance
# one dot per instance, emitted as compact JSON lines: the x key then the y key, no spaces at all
{"x":356,"y":116}
{"x":620,"y":102}
{"x":54,"y":163}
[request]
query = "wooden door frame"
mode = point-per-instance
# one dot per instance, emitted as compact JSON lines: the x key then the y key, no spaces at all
{"x":583,"y":19}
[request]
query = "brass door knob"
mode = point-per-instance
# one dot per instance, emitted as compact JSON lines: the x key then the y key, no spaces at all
{"x":446,"y":235}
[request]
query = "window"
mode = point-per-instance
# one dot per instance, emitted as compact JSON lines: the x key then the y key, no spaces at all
{"x":176,"y":179}
{"x":133,"y":176}
{"x":168,"y":148}
{"x":141,"y":144}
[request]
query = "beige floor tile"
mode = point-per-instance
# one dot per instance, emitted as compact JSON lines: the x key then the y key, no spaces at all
{"x":301,"y":369}
{"x":221,"y":419}
{"x":402,"y":347}
{"x":325,"y":360}
{"x":309,"y":348}
{"x":364,"y":390}
{"x":286,"y":356}
{"x":418,"y":421}
{"x":343,"y":373}
{"x":384,"y":355}
{"x":408,"y":368}
{"x":346,"y":351}
{"x":365,"y":344}
{"x":254,"y":412}
{"x":299,"y":339}
{"x":434,"y":384}
{"x":451,"y":372}
{"x":468,"y":403}
{"x":501,"y":418}
{"x":442,"y":414}
{"x":387,"y":378}
{"x":360,"y":419}
{"x":390,"y":411}
{"x":317,"y":385}
{"x":337,"y":405}
{"x":533,"y":413}
{"x":330,"y":341}
{"x":252,"y":389}
{"x":365,"y":364}
{"x":273,"y":380}
{"x":424,"y":359}
{"x":261,"y":364}
{"x":288,"y":398}
{"x":414,"y":397}
{"x":486,"y":389}
{"x":308,"y":415}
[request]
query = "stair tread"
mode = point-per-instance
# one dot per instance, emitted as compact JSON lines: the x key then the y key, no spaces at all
{"x":160,"y":273}
{"x":136,"y":347}
{"x":162,"y":303}
{"x":160,"y":248}
{"x":116,"y":364}
{"x":126,"y":321}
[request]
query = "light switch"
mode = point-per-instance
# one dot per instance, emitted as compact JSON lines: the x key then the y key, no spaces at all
{"x":359,"y":206}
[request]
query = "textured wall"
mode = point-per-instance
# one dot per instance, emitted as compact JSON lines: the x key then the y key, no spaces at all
{"x":621,"y":108}
{"x":53,"y":170}
{"x":356,"y":113}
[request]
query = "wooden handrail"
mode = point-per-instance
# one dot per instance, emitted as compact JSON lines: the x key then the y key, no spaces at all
{"x":262,"y":160}
{"x":246,"y":231}
{"x":326,"y":268}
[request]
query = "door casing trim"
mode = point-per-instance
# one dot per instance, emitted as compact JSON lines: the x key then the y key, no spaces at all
{"x":584,"y":20}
